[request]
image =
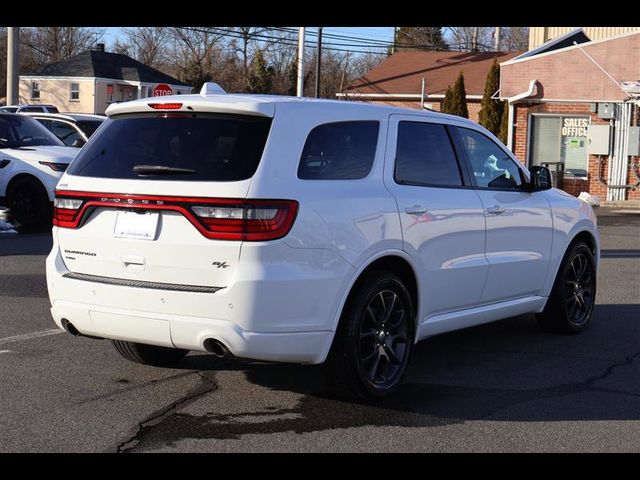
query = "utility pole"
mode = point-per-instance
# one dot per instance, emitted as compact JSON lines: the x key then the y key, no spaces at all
{"x":319,"y":62}
{"x":497,"y":40}
{"x":300,"y":87}
{"x":474,"y":47}
{"x":395,"y":39}
{"x":13,"y":64}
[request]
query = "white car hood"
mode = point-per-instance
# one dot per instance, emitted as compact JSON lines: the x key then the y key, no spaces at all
{"x":41,"y":154}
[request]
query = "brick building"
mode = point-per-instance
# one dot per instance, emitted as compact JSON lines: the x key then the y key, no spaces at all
{"x":397,"y":81}
{"x":573,"y":105}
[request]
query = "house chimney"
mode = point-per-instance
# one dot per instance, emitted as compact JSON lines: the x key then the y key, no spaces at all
{"x":99,"y":47}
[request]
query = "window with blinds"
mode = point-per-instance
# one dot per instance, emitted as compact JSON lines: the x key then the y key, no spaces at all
{"x":560,"y":139}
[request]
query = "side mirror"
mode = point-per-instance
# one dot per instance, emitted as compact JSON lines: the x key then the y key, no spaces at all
{"x":540,"y":179}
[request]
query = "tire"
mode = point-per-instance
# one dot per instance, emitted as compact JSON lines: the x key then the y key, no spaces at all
{"x":570,"y":305}
{"x":149,"y":354}
{"x":28,"y":202}
{"x":367,"y":362}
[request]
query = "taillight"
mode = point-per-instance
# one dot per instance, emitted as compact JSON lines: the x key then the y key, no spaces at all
{"x":249,"y":221}
{"x":219,"y":219}
{"x":56,"y":167}
{"x":165,"y":106}
{"x":65,"y":212}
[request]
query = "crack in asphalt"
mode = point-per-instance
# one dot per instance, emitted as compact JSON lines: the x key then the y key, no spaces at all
{"x":206,"y":386}
{"x":626,"y":362}
{"x":562,"y":390}
{"x":416,"y":405}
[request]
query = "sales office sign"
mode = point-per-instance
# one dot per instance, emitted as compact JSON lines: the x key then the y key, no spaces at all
{"x":574,"y":127}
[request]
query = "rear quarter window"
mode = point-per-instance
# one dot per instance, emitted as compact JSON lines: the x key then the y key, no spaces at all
{"x":339,"y":151}
{"x":206,"y":147}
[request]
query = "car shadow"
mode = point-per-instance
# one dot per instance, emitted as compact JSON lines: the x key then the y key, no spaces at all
{"x":503,"y":371}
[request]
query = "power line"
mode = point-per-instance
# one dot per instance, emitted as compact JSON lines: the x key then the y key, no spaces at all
{"x":279,"y":40}
{"x":266,"y":36}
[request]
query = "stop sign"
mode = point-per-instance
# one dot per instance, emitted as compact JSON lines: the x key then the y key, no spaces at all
{"x":161,"y":90}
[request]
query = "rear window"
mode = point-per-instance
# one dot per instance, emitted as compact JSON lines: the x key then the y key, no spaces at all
{"x":187,"y":147}
{"x":339,"y":151}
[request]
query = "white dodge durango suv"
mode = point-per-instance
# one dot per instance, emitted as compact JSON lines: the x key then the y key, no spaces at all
{"x":298,"y":230}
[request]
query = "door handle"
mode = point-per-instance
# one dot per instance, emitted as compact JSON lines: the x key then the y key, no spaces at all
{"x":496,"y":210}
{"x":416,"y":210}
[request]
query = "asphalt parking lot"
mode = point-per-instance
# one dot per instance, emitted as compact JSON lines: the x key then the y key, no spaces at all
{"x":500,"y":387}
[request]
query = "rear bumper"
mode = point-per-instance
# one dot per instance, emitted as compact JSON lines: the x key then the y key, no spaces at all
{"x":280,"y":310}
{"x":191,"y":332}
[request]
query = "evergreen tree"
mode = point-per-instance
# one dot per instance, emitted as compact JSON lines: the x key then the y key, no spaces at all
{"x":260,"y":78}
{"x":446,"y":103}
{"x":490,"y":116}
{"x":292,"y":76}
{"x":423,"y":38}
{"x":458,"y":103}
{"x":504,"y":124}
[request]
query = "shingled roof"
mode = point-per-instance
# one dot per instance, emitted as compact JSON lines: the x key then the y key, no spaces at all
{"x":402,"y":72}
{"x":96,"y":63}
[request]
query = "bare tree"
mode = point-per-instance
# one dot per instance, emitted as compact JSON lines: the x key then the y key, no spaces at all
{"x":52,"y":44}
{"x":515,"y":38}
{"x":244,"y":37}
{"x":467,"y":39}
{"x":193,"y":53}
{"x":420,"y":38}
{"x":145,"y":44}
{"x":364,"y":63}
{"x":281,"y":55}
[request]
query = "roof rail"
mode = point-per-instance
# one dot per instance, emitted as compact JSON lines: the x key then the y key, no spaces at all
{"x":211,"y":88}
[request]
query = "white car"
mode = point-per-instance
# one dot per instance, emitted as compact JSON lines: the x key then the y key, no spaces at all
{"x":74,"y":129}
{"x":32,"y":161}
{"x":297,"y":230}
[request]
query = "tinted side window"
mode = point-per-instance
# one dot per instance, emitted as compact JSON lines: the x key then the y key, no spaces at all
{"x":339,"y":151}
{"x":425,"y":156}
{"x":65,"y":132}
{"x":492,"y":167}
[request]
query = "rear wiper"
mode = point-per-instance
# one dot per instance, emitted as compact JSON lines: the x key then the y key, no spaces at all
{"x":161,"y":170}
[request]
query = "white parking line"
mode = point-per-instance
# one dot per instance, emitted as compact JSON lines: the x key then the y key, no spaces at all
{"x":5,"y":351}
{"x":29,"y":336}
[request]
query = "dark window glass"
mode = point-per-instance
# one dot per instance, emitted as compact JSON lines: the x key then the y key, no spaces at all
{"x":89,"y":126}
{"x":492,"y":167}
{"x":424,"y":156}
{"x":45,"y":123}
{"x":33,"y":109}
{"x":52,"y":109}
{"x":65,"y":132}
{"x":208,"y":147}
{"x":339,"y":151}
{"x":22,"y":131}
